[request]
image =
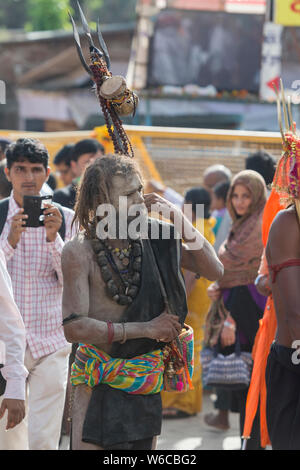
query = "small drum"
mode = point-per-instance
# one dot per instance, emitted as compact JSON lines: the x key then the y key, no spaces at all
{"x":114,"y":89}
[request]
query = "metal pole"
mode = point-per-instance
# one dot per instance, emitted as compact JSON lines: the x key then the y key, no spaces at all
{"x":244,"y":443}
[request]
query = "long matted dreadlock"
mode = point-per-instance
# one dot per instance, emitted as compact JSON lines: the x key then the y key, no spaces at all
{"x":94,"y":188}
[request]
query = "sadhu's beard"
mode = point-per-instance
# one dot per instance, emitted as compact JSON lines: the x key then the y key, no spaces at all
{"x":138,"y":211}
{"x":125,"y":224}
{"x":136,"y":222}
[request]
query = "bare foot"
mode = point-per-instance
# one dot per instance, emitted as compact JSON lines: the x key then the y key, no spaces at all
{"x":217,"y":420}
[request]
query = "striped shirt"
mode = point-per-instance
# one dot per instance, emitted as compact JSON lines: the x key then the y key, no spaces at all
{"x":35,"y":270}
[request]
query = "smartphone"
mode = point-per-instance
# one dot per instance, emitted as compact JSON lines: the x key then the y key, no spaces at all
{"x":34,"y":208}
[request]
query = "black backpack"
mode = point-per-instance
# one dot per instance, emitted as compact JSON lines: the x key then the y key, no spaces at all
{"x":4,"y":211}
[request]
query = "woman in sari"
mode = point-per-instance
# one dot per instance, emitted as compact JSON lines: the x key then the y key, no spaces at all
{"x":237,"y":305}
{"x":182,"y":405}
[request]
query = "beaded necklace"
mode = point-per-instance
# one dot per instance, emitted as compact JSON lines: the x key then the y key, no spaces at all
{"x":129,"y":278}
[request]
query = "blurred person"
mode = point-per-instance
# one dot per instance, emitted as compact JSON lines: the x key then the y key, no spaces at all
{"x":5,"y":185}
{"x":236,"y":293}
{"x":264,"y":163}
{"x":220,"y":213}
{"x":83,"y":153}
{"x":182,"y":405}
{"x":62,"y":162}
{"x":33,"y":257}
{"x":220,"y":419}
{"x":12,"y":370}
{"x":51,"y":181}
{"x":215,"y":174}
{"x":154,"y":186}
{"x":4,"y":143}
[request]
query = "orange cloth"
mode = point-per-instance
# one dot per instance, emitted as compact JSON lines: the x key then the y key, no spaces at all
{"x":264,"y":338}
{"x":272,"y":207}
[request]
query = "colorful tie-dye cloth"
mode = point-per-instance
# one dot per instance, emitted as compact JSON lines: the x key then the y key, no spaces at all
{"x":141,"y":375}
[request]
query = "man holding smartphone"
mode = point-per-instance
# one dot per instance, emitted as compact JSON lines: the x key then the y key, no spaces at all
{"x":33,"y":256}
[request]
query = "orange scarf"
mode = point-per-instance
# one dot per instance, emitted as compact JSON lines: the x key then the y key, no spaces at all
{"x":264,"y":338}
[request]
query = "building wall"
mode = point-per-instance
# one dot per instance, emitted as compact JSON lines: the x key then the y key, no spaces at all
{"x":18,"y":57}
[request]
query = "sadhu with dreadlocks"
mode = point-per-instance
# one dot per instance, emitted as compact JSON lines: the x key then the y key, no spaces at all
{"x":283,"y":257}
{"x":114,"y":305}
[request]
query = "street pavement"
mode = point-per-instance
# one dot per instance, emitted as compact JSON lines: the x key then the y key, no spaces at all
{"x":193,"y":434}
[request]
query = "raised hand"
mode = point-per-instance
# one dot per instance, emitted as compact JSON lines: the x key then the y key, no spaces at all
{"x":214,"y":292}
{"x":17,"y":228}
{"x":159,"y":204}
{"x":165,"y":327}
{"x":52,"y":221}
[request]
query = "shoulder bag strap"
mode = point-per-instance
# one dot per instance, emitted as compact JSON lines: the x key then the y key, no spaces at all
{"x":3,"y":213}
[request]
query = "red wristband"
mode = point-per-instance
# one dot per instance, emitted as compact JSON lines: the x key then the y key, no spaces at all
{"x":110,"y":332}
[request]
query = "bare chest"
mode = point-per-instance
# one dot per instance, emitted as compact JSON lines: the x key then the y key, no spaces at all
{"x":102,"y":307}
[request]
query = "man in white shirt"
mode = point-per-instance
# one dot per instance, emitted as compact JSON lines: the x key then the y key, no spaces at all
{"x":12,"y":334}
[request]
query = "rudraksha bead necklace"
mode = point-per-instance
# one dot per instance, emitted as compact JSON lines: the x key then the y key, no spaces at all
{"x":129,"y":278}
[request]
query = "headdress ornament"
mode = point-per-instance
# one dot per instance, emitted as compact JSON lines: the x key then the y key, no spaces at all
{"x":287,"y":177}
{"x":114,"y":96}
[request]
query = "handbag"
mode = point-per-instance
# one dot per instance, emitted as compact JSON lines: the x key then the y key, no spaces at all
{"x":179,"y":362}
{"x":232,"y":372}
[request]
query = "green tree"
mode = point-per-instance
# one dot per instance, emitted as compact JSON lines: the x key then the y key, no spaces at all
{"x":47,"y":14}
{"x":41,"y":15}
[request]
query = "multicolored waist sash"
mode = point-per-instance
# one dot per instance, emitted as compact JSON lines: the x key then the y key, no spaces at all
{"x":141,"y":375}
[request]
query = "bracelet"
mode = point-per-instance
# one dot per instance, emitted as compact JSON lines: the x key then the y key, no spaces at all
{"x":258,"y":278}
{"x":229,"y":325}
{"x":110,"y":332}
{"x":124,"y":334}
